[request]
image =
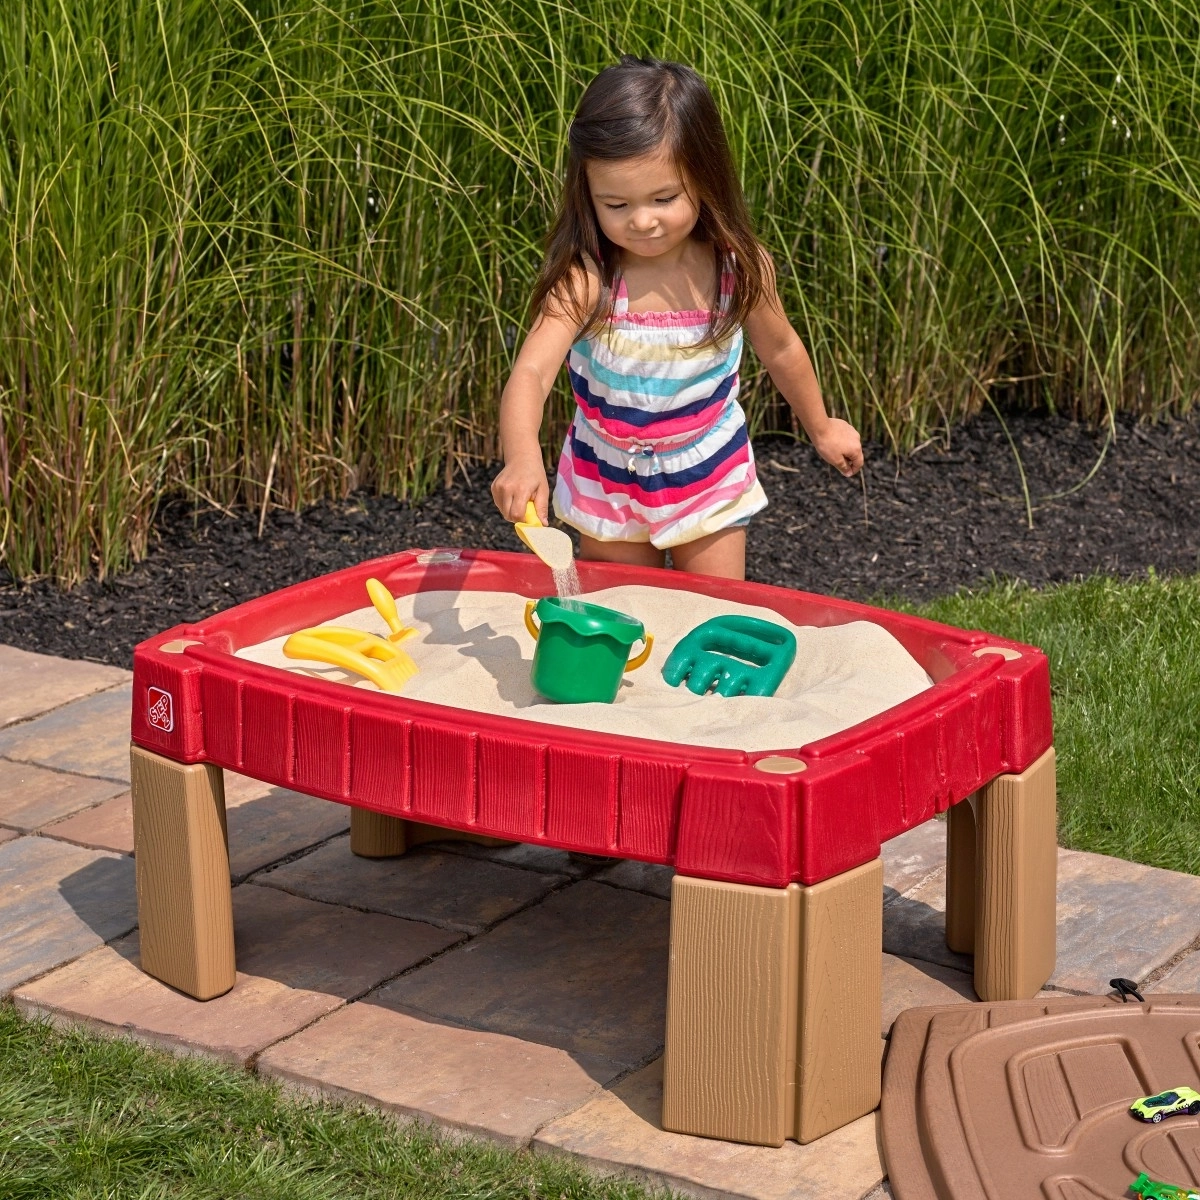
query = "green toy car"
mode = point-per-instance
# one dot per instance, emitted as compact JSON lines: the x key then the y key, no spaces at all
{"x":1166,"y":1104}
{"x":1147,"y":1189}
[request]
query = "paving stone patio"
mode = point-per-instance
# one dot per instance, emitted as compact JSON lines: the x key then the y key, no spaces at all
{"x":512,"y":992}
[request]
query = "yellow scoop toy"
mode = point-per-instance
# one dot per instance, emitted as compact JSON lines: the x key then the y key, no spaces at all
{"x":378,"y":659}
{"x":552,"y":546}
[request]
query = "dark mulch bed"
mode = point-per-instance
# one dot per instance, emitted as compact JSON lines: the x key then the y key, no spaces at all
{"x":945,"y":517}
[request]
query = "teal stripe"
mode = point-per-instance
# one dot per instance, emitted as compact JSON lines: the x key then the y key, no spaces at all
{"x":648,"y":385}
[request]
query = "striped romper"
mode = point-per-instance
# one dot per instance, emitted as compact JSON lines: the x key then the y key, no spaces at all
{"x":658,"y":449}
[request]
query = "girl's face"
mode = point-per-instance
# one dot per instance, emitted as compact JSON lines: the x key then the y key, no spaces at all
{"x":642,"y":203}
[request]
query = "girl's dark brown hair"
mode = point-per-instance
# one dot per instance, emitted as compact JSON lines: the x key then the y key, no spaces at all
{"x":632,"y":109}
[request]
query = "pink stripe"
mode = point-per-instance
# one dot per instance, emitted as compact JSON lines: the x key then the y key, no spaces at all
{"x":682,"y":428}
{"x":716,"y":494}
{"x":684,"y":318}
{"x":604,"y":512}
{"x":612,"y":510}
{"x":658,"y":499}
{"x":718,"y":497}
{"x":665,"y":498}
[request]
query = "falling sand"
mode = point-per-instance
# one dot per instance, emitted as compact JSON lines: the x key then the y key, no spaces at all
{"x":566,"y":581}
{"x":554,"y":548}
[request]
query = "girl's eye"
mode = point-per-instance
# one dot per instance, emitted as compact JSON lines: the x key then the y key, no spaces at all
{"x":614,"y":207}
{"x":667,"y":199}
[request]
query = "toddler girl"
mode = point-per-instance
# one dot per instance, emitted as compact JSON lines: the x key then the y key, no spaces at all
{"x":652,"y":272}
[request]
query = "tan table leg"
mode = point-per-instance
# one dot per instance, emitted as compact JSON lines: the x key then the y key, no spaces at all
{"x":773,"y":1005}
{"x":960,"y":876}
{"x":376,"y":835}
{"x":185,"y":909}
{"x":1016,"y":856}
{"x":840,"y":1001}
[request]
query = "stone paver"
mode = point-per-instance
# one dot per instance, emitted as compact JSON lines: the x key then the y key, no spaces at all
{"x":1119,"y":918}
{"x":325,"y":947}
{"x":913,"y":857}
{"x":31,"y":797}
{"x":108,"y":992}
{"x":1103,"y":929}
{"x":484,"y":1083}
{"x":908,"y":983}
{"x":651,"y":878}
{"x":7,"y":835}
{"x":451,"y":891}
{"x":297,"y":959}
{"x":265,"y":824}
{"x":269,"y":823}
{"x":585,"y":970}
{"x":58,"y":901}
{"x":108,"y":826}
{"x":914,"y":925}
{"x":1183,"y":977}
{"x":88,"y":737}
{"x":32,"y":684}
{"x":521,"y":854}
{"x":619,"y":1131}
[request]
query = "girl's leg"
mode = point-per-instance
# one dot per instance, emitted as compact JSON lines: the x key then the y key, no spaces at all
{"x":634,"y":554}
{"x":722,"y":553}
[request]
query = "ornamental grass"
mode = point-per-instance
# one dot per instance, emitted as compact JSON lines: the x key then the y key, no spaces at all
{"x":268,"y":251}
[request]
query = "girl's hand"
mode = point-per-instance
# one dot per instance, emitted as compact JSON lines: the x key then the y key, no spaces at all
{"x":781,"y":351}
{"x":522,"y":480}
{"x":839,"y":445}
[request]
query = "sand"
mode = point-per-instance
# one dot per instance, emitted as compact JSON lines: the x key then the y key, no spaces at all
{"x":473,"y":652}
{"x":552,"y":546}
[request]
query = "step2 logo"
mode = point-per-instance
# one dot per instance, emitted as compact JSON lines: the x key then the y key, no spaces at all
{"x":160,"y":709}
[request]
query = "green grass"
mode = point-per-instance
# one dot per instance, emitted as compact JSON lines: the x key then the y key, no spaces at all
{"x":266,"y":251}
{"x":83,"y":1117}
{"x":1125,"y":678}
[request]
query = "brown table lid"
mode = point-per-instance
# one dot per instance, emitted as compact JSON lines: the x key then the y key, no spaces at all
{"x":1029,"y":1099}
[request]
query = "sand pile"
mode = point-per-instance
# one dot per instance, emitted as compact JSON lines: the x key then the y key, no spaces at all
{"x":473,"y":652}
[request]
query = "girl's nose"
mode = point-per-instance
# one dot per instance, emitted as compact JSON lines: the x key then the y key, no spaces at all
{"x":643,"y":220}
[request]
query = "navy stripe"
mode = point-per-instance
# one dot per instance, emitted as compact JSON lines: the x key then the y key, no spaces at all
{"x":663,"y":480}
{"x":641,"y":417}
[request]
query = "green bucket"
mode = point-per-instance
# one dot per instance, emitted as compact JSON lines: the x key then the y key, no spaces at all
{"x":582,"y":649}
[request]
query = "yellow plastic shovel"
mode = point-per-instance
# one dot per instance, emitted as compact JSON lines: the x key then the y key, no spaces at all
{"x":385,"y":606}
{"x":552,"y":546}
{"x":378,"y":659}
{"x":387,"y":666}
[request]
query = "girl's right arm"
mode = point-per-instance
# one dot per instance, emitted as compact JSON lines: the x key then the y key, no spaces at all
{"x":524,"y":399}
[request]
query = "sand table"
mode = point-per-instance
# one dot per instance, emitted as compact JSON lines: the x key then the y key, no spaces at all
{"x":473,"y":652}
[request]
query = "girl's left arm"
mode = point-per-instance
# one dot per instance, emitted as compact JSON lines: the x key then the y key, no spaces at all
{"x":781,"y":351}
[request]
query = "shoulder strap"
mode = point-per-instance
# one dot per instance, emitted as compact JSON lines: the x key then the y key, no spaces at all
{"x":728,"y":279}
{"x":620,"y":296}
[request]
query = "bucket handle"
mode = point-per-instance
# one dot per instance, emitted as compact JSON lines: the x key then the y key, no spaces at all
{"x":634,"y":663}
{"x":631,"y":665}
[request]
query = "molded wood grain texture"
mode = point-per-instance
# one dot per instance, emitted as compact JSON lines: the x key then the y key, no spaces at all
{"x":1016,"y":860}
{"x":840,"y":996}
{"x":185,"y":909}
{"x":729,"y":1065}
{"x":773,"y":1003}
{"x":960,"y":877}
{"x":376,"y":835}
